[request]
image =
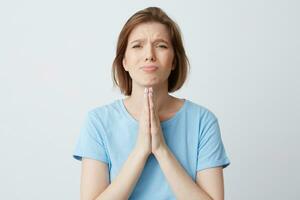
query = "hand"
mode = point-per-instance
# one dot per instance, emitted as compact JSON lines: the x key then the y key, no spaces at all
{"x":157,"y":138}
{"x":143,"y":143}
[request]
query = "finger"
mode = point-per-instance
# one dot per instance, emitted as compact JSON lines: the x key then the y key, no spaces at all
{"x":155,"y":113}
{"x":153,"y":99}
{"x":146,"y":108}
{"x":145,"y":100}
{"x":153,"y":120}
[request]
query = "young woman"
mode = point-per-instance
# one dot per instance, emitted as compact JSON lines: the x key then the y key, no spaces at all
{"x":151,"y":145}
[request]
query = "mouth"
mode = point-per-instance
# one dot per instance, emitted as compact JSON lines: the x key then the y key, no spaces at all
{"x":149,"y":68}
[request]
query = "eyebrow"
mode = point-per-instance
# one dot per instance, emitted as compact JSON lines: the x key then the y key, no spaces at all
{"x":157,"y":40}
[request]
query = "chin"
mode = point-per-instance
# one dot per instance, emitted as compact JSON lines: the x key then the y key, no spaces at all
{"x":152,"y":83}
{"x":149,"y":81}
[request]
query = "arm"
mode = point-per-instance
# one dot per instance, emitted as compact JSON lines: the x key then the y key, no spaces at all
{"x":181,"y":183}
{"x":95,"y":185}
{"x":123,"y":185}
{"x":211,"y":180}
{"x":94,"y":178}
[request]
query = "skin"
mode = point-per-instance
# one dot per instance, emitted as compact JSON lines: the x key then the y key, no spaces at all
{"x":150,"y":104}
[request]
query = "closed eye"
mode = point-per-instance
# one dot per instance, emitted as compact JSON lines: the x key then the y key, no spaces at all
{"x":140,"y":46}
{"x":163,"y":46}
{"x":136,"y":46}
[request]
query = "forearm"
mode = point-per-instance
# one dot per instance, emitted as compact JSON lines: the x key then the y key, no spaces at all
{"x":126,"y":180}
{"x":180,"y":182}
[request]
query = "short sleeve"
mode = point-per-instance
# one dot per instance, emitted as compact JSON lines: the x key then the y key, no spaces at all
{"x":211,"y":151}
{"x":90,"y":143}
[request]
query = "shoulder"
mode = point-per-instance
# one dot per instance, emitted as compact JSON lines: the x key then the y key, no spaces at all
{"x":105,"y":111}
{"x":206,"y":120}
{"x":201,"y":111}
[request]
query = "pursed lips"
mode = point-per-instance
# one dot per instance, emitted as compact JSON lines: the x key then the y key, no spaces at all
{"x":149,"y":68}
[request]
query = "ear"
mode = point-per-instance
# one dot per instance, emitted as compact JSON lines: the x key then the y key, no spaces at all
{"x":124,"y":64}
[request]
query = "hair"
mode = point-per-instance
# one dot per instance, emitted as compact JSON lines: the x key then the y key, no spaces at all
{"x":178,"y":76}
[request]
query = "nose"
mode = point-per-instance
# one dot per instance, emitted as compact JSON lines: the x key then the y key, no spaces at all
{"x":149,"y":54}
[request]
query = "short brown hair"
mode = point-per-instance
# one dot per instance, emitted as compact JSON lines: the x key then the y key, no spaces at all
{"x":177,"y":77}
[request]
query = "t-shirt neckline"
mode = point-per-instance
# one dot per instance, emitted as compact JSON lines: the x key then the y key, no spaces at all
{"x":163,"y":123}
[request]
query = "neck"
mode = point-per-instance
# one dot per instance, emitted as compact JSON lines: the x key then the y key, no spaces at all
{"x":161,"y":96}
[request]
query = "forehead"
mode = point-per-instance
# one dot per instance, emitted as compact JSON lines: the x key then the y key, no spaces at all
{"x":152,"y":30}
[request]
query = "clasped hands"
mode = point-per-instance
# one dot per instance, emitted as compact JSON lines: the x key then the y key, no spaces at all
{"x":150,"y":137}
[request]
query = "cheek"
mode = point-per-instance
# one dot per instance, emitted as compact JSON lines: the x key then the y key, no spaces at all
{"x":169,"y":59}
{"x":133,"y":58}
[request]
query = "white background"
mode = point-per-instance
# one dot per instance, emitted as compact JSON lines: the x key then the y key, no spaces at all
{"x":55,"y":65}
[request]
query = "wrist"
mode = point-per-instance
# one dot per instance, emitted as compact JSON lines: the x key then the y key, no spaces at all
{"x":163,"y":150}
{"x":140,"y":154}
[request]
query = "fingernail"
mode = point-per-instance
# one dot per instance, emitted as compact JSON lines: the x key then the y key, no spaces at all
{"x":150,"y":89}
{"x":146,"y":90}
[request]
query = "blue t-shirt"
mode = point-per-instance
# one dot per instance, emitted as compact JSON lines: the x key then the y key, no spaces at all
{"x":193,"y":135}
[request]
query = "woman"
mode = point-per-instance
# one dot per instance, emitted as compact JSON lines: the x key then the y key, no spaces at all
{"x":151,"y":145}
